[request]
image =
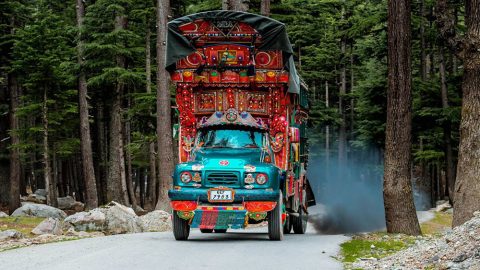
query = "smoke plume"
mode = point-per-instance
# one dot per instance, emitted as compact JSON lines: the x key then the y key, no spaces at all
{"x":348,"y":193}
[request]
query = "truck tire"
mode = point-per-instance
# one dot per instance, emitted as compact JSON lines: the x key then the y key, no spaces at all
{"x":287,"y":227}
{"x":181,"y":229}
{"x":300,"y":223}
{"x":206,"y":230}
{"x":275,"y":226}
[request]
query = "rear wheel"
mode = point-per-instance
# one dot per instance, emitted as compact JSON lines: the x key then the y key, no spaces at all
{"x":220,"y":230}
{"x":275,"y":226}
{"x":206,"y":230}
{"x":300,"y":222}
{"x":181,"y":229}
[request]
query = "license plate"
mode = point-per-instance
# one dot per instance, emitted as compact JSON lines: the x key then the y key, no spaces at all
{"x":220,"y":195}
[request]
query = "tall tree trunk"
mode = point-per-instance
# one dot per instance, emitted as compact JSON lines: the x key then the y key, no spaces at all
{"x":265,"y":8}
{"x":447,"y":131}
{"x":164,"y":122}
{"x":86,"y":142}
{"x":131,"y":190}
{"x":152,"y":158}
{"x":397,"y":188}
{"x":117,"y":183}
{"x":239,"y":5}
{"x":467,"y":185}
{"x":327,"y":135}
{"x":50,"y":184}
{"x":14,"y":201}
{"x":101,"y":147}
{"x":342,"y":139}
{"x":225,"y":4}
{"x":352,"y":89}
{"x":423,"y":65}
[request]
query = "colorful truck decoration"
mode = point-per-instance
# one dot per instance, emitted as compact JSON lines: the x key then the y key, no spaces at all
{"x":243,"y":112}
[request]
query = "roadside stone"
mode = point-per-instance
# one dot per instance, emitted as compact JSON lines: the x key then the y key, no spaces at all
{"x":455,"y":249}
{"x":3,"y":215}
{"x":49,"y":226}
{"x":93,"y":220}
{"x":460,"y":258}
{"x":39,"y":210}
{"x":41,"y":192}
{"x":10,"y":235}
{"x":35,"y":198}
{"x":78,"y":207}
{"x":156,"y":221}
{"x":443,"y":207}
{"x":65,"y":203}
{"x":120,"y":219}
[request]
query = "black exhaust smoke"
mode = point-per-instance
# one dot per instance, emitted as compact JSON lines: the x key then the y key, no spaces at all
{"x":348,"y":193}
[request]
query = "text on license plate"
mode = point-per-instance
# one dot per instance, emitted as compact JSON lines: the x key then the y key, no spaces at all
{"x":221,"y":195}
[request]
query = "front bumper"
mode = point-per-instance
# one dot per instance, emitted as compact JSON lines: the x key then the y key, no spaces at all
{"x":241,"y":195}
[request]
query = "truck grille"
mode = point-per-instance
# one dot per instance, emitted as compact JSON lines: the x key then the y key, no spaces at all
{"x":223,"y":178}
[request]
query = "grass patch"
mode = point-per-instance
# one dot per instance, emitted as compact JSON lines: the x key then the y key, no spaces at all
{"x":22,"y":224}
{"x":376,"y":245}
{"x":438,"y":224}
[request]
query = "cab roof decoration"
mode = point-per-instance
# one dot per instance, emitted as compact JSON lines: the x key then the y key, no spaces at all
{"x":232,"y":117}
{"x":266,"y":33}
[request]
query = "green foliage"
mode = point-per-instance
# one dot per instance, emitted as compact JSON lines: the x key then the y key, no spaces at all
{"x":375,"y":245}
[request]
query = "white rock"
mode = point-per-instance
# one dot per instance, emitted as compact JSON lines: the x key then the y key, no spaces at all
{"x":39,"y":210}
{"x":10,"y":234}
{"x":65,"y":203}
{"x":49,"y":226}
{"x":41,"y":192}
{"x":3,"y":215}
{"x":156,"y":221}
{"x":93,"y":220}
{"x":120,"y":219}
{"x":35,"y":198}
{"x":443,"y":207}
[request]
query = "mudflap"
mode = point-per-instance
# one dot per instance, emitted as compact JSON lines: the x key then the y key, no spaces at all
{"x":310,"y":195}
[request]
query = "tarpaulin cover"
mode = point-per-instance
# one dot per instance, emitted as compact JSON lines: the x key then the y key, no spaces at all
{"x":273,"y":32}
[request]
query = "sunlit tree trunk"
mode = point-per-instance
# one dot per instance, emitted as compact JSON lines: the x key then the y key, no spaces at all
{"x":152,"y":158}
{"x":117,"y":183}
{"x":50,"y":184}
{"x":400,"y":213}
{"x":164,"y":123}
{"x":86,"y":142}
{"x":265,"y":8}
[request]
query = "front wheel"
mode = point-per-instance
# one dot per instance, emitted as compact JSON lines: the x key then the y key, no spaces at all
{"x":181,"y":229}
{"x":275,"y":226}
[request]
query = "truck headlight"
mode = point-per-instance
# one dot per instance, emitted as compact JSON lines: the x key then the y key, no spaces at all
{"x":249,"y":179}
{"x":261,"y":178}
{"x":186,"y":177}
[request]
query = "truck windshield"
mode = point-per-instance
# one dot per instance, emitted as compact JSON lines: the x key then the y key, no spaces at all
{"x":230,"y":138}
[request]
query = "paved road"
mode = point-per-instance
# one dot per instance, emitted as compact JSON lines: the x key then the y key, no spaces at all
{"x":237,"y":249}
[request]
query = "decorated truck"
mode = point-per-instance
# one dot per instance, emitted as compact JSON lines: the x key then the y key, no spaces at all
{"x":243,"y":110}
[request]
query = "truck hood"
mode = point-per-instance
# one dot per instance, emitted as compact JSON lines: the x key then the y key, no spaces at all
{"x":227,"y":158}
